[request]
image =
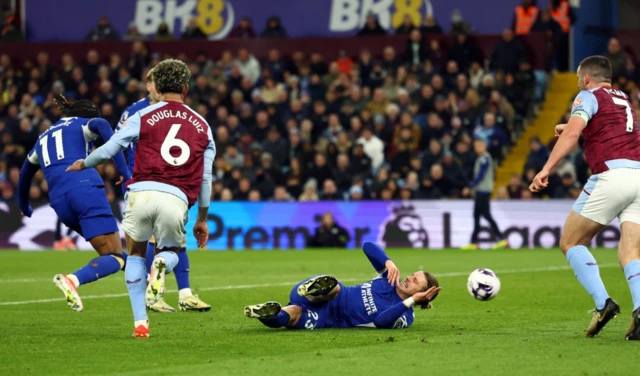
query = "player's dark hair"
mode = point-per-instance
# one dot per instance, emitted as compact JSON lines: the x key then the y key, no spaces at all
{"x":432,"y":281}
{"x":598,"y":67}
{"x":171,"y":76}
{"x":83,"y":108}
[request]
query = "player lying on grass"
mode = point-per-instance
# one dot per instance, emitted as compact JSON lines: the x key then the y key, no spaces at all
{"x":78,"y":198}
{"x":187,"y":301}
{"x":323,"y":302}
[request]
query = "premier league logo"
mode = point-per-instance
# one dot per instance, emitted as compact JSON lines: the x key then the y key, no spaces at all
{"x":403,"y":228}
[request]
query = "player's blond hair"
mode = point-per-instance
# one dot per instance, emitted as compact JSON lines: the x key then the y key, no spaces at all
{"x":432,"y":281}
{"x":171,"y":76}
{"x":150,"y":75}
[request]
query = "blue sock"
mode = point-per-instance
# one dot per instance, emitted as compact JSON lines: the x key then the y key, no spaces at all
{"x":278,"y":321}
{"x":632,"y":272}
{"x":588,"y":274}
{"x":171,"y":258}
{"x":151,"y":253}
{"x":135,"y":276}
{"x":100,"y":267}
{"x":182,"y":269}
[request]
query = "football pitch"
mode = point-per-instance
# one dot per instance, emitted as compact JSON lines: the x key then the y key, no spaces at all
{"x":535,"y":325}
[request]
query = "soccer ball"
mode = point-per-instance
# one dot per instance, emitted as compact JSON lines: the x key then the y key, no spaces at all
{"x":483,"y":284}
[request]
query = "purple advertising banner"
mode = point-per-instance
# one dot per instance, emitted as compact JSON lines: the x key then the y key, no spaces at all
{"x":417,"y":224}
{"x":301,"y":18}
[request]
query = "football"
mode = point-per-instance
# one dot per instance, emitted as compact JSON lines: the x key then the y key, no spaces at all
{"x":483,"y":284}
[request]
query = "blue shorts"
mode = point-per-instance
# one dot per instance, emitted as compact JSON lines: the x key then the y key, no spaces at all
{"x":315,"y":315}
{"x":85,"y":210}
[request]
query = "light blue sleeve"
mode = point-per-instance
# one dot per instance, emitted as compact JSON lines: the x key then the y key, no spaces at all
{"x":204,"y":197}
{"x":585,"y":106}
{"x":119,"y":141}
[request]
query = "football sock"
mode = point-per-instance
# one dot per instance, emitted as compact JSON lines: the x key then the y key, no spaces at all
{"x":588,"y":274}
{"x":151,"y":253}
{"x":134,"y":274}
{"x":632,"y":273}
{"x":181,"y":272}
{"x":97,"y":268}
{"x":171,"y":258}
{"x":277,"y":321}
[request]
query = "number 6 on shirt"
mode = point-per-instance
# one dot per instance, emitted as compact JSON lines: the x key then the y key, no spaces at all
{"x":172,"y":141}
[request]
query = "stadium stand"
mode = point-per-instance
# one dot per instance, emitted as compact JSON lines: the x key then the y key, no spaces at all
{"x":348,"y":119}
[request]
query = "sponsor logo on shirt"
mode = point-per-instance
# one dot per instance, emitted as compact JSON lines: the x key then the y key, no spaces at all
{"x":367,"y":299}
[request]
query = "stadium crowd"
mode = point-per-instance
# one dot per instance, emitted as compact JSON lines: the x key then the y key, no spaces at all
{"x":379,"y":125}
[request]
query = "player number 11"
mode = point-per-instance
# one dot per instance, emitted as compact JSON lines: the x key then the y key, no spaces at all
{"x":624,"y":103}
{"x":44,"y":142}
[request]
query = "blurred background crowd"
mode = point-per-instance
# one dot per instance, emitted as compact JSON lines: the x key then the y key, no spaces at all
{"x":373,"y":124}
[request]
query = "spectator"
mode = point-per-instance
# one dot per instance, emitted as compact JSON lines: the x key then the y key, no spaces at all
{"x":310,"y":191}
{"x":434,"y":186}
{"x":371,"y":27}
{"x":320,"y":171}
{"x":553,"y":36}
{"x":537,"y":156}
{"x":163,"y":33}
{"x":280,"y":194}
{"x":407,"y":25}
{"x":496,"y":138}
{"x":356,"y":193}
{"x":330,"y":191}
{"x":415,"y":53}
{"x":508,"y":53}
{"x":563,"y":14}
{"x":564,"y":189}
{"x":249,"y":65}
{"x":103,"y":31}
{"x":233,"y":158}
{"x":515,"y":187}
{"x":617,"y":57}
{"x":275,"y":146}
{"x":193,"y":30}
{"x":254,"y":195}
{"x":274,"y":29}
{"x":343,"y":173}
{"x":458,"y":25}
{"x":373,"y":147}
{"x":453,"y":171}
{"x":464,"y":52}
{"x":524,"y":17}
{"x":436,"y":55}
{"x":329,"y":234}
{"x":378,"y":104}
{"x":243,"y":30}
{"x":133,"y":34}
{"x":430,"y":26}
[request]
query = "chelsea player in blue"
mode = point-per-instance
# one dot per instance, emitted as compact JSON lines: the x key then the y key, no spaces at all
{"x":323,"y":302}
{"x":187,"y":301}
{"x":78,"y":198}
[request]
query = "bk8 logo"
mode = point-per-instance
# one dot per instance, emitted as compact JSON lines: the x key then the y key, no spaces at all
{"x":215,"y":17}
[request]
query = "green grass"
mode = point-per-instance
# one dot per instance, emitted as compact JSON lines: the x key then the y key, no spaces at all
{"x":535,"y":326}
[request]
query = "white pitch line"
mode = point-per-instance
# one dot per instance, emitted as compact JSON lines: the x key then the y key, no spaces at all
{"x":260,"y":285}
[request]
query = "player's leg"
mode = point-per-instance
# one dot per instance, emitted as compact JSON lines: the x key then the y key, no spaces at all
{"x":629,"y":257}
{"x":138,"y":227}
{"x":169,"y":231}
{"x":485,"y":210}
{"x":476,"y":226}
{"x":596,"y":207}
{"x":273,"y":315}
{"x":187,"y":300}
{"x":160,"y":305}
{"x":317,"y":290}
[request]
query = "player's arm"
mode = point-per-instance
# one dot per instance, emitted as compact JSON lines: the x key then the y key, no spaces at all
{"x":584,"y":108}
{"x":388,"y":319}
{"x":29,"y":169}
{"x":103,"y":128}
{"x":200,"y":230}
{"x":119,"y":141}
{"x":381,"y":262}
